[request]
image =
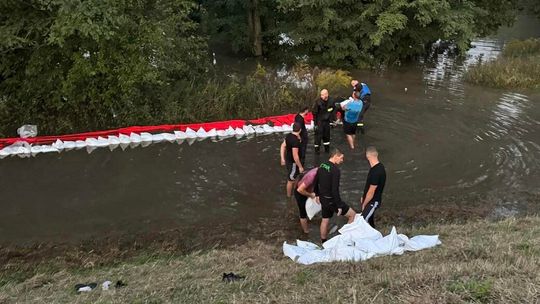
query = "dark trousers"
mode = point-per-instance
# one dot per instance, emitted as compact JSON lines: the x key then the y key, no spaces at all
{"x":322,"y":132}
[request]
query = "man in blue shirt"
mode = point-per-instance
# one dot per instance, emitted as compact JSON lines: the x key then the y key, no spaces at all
{"x":353,"y":109}
{"x":365,"y":96}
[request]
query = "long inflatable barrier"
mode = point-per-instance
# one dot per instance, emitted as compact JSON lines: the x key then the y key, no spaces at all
{"x":145,"y":135}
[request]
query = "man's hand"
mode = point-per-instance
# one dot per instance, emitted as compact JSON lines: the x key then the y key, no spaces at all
{"x":339,"y":211}
{"x":317,"y":200}
{"x":301,"y":169}
{"x":283,"y":162}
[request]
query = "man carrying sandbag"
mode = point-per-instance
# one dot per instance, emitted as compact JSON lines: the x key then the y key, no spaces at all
{"x":327,"y":189}
{"x":303,"y":191}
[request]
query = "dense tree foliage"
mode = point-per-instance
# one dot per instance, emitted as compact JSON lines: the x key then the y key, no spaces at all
{"x":70,"y":65}
{"x":82,"y":64}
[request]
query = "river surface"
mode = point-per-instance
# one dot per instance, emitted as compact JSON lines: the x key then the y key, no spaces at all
{"x":443,"y":142}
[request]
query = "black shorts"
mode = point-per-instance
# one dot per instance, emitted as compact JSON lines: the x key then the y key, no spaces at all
{"x":329,"y":208}
{"x":369,"y":212}
{"x":292,"y":171}
{"x":349,"y":128}
{"x":301,"y":201}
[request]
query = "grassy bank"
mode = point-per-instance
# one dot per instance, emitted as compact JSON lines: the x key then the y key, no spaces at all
{"x":517,"y":67}
{"x":479,"y":261}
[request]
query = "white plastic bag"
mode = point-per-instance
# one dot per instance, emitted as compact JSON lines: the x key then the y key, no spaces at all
{"x":312,"y":208}
{"x":27,"y":131}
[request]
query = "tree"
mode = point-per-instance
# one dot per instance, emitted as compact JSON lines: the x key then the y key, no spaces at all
{"x":351,"y":32}
{"x":71,"y":65}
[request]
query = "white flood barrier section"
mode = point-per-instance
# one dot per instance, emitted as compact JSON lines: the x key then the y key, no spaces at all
{"x":143,"y":139}
{"x":357,"y":242}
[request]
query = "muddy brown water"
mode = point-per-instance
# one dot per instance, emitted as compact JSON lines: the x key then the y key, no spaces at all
{"x":442,"y":142}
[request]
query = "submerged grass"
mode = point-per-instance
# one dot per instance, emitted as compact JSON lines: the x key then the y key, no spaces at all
{"x":517,"y":67}
{"x":479,"y":262}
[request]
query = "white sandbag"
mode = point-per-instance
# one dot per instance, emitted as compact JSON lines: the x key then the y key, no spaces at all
{"x":286,"y":128}
{"x":135,"y":140}
{"x":58,"y":144}
{"x":358,"y":242}
{"x":239,"y":131}
{"x":259,"y":130}
{"x":221,"y":133}
{"x":125,"y":140}
{"x":278,"y":129}
{"x":69,"y":145}
{"x":169,"y":137}
{"x":201,"y":133}
{"x":248,"y":129}
{"x":91,"y":144}
{"x":212,"y":133}
{"x":190,"y":133}
{"x":146,"y":139}
{"x":35,"y":150}
{"x":180,"y":135}
{"x":157,"y":138}
{"x":267,"y":129}
{"x":3,"y":154}
{"x":48,"y":149}
{"x":114,"y":142}
{"x":102,"y":142}
{"x":312,"y":208}
{"x":191,"y":140}
{"x":309,"y":126}
{"x":80,"y":144}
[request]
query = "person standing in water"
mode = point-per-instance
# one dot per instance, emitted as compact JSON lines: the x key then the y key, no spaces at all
{"x":376,"y":179}
{"x":322,"y":115}
{"x":290,"y":157}
{"x":327,"y":189}
{"x":353,"y":110}
{"x":305,"y":189}
{"x":365,"y":96}
{"x":299,"y":119}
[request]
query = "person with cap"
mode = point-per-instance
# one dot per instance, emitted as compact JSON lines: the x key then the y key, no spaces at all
{"x":290,"y":156}
{"x":322,"y":115}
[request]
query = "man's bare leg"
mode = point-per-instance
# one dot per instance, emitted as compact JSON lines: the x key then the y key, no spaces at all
{"x":350,"y":140}
{"x":290,"y":186}
{"x":304,"y":225}
{"x":324,"y":228}
{"x":351,"y":215}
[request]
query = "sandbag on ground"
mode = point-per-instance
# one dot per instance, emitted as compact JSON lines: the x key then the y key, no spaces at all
{"x":356,"y":242}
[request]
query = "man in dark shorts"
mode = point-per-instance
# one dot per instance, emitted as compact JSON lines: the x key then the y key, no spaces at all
{"x":353,"y":110}
{"x":365,"y":96}
{"x":299,"y":119}
{"x":327,"y":189}
{"x":303,"y":191}
{"x":323,"y":112}
{"x":290,"y":157}
{"x":376,"y":179}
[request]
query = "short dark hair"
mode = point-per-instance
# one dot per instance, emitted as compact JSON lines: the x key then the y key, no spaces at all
{"x":303,"y":109}
{"x":335,"y":152}
{"x":296,"y":127}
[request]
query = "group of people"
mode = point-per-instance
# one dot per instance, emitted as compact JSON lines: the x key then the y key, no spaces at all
{"x":322,"y":183}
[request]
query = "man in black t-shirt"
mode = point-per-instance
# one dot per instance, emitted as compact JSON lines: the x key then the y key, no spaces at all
{"x":299,"y":119}
{"x":372,"y":198}
{"x":323,"y":112}
{"x":327,"y":190}
{"x":290,"y":157}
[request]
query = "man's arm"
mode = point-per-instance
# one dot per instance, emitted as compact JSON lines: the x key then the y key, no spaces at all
{"x":369,"y":196}
{"x":296,"y":157}
{"x":302,"y":190}
{"x":282,"y":153}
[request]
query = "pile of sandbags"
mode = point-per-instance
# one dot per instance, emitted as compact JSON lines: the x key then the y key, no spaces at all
{"x":356,"y":242}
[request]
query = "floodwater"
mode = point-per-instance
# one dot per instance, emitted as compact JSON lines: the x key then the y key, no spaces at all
{"x":442,"y":142}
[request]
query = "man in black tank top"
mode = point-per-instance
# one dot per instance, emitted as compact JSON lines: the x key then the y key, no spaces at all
{"x":376,"y":179}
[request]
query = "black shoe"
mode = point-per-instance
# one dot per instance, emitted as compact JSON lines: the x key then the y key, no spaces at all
{"x":317,"y":150}
{"x":231,"y":277}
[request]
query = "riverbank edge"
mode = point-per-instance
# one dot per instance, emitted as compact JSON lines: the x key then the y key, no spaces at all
{"x":479,"y":261}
